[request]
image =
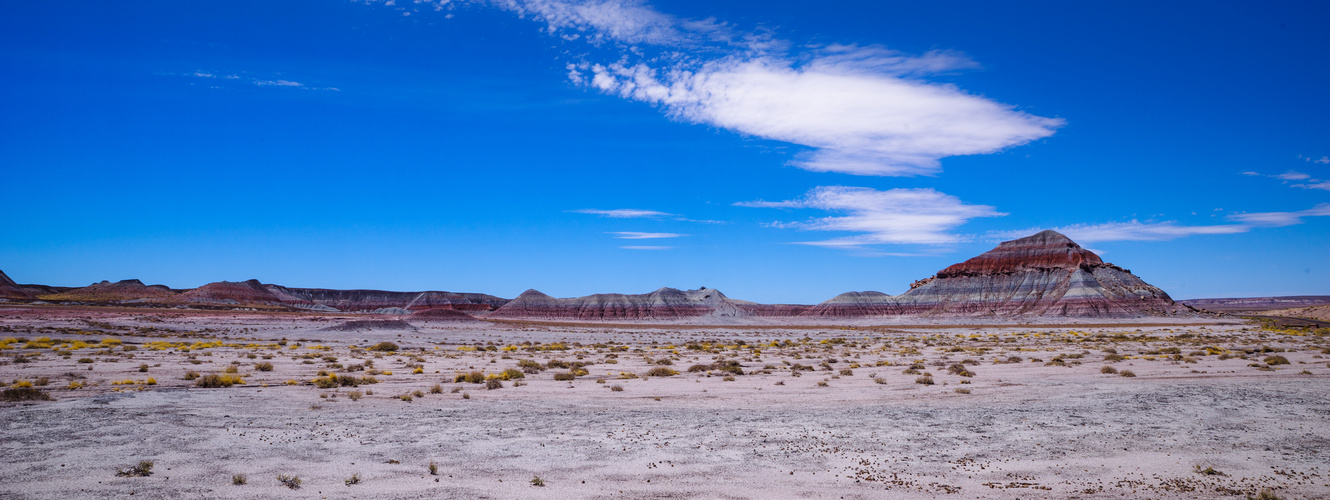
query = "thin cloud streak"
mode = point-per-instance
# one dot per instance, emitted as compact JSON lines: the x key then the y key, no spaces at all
{"x":1170,"y":230}
{"x":624,"y":213}
{"x":634,"y":235}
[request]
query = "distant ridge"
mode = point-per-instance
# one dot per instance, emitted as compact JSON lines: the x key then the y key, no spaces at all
{"x":252,"y":294}
{"x":1257,"y":303}
{"x":1044,"y":274}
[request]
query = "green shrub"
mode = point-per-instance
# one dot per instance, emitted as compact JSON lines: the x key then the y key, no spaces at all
{"x":1276,"y":360}
{"x":564,"y":376}
{"x":384,"y":347}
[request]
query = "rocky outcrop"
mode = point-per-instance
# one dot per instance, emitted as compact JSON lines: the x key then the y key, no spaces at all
{"x":249,"y":292}
{"x":662,"y":304}
{"x":1045,"y":274}
{"x":106,"y":291}
{"x":856,"y":304}
{"x":11,"y":290}
{"x":371,"y":300}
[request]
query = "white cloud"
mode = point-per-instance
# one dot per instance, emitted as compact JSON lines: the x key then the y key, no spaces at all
{"x":645,"y":247}
{"x":1170,"y":230}
{"x":624,"y":213}
{"x":634,"y":235}
{"x":861,"y":110}
{"x":1317,"y":184}
{"x":1292,"y":176}
{"x":1280,"y":219}
{"x":1324,"y":160}
{"x":894,"y":216}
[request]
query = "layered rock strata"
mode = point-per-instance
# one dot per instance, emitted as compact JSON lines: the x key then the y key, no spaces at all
{"x":1046,"y":274}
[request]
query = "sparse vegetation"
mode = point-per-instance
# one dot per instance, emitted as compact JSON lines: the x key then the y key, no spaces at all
{"x":354,"y":479}
{"x":292,"y":482}
{"x":263,"y":367}
{"x":14,"y":394}
{"x":661,"y":371}
{"x":239,"y":479}
{"x":214,"y":381}
{"x":384,"y":347}
{"x":142,"y":469}
{"x":537,"y":481}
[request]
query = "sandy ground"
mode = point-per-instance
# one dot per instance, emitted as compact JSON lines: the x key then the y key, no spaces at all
{"x":1204,"y":396}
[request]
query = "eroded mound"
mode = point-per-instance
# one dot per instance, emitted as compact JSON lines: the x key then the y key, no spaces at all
{"x":371,"y":324}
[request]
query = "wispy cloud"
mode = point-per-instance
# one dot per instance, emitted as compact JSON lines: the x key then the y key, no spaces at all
{"x":1280,"y":219}
{"x":257,"y":81}
{"x":894,"y":216}
{"x":645,"y":247}
{"x":625,"y":213}
{"x":278,"y":83}
{"x":865,"y":110}
{"x":1128,"y":231}
{"x":1308,"y":182}
{"x":634,"y":235}
{"x":1169,"y":230}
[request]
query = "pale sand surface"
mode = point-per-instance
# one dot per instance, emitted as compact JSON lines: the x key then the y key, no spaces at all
{"x":1026,"y":430}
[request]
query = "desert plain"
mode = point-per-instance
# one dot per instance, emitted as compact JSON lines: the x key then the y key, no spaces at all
{"x":359,"y":406}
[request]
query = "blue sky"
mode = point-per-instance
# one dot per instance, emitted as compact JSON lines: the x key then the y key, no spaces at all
{"x":779,"y":152}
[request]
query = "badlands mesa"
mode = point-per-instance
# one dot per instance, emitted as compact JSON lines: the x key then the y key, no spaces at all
{"x":1033,"y":370}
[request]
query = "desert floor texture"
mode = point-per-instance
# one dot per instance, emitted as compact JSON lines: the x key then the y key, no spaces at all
{"x":1217,"y":410}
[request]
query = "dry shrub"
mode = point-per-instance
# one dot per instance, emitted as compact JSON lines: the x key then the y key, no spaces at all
{"x":661,"y":371}
{"x":384,"y":347}
{"x":24,"y":394}
{"x":1276,"y":360}
{"x":472,"y":377}
{"x":263,"y":367}
{"x":143,"y":469}
{"x":214,"y":381}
